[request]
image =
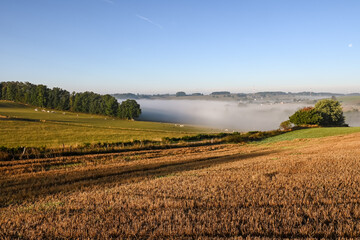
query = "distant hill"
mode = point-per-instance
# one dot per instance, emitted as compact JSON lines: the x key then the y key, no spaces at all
{"x":220,"y":94}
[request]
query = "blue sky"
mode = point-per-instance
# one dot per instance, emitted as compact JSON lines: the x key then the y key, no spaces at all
{"x":150,"y":46}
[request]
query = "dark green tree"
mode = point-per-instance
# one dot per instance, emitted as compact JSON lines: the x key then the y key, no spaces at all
{"x":57,"y":98}
{"x":180,"y":94}
{"x":41,"y":95}
{"x":111,"y":105}
{"x":64,"y":100}
{"x":77,"y":105}
{"x":306,"y":116}
{"x":327,"y":112}
{"x":129,"y":109}
{"x":331,"y":112}
{"x":3,"y":91}
{"x":72,"y":101}
{"x":11,"y":91}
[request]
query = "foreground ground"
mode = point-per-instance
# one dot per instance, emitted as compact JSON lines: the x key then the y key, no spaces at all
{"x":21,"y":125}
{"x":296,"y":189}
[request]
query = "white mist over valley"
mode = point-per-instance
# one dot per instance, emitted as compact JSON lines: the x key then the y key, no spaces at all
{"x":225,"y":115}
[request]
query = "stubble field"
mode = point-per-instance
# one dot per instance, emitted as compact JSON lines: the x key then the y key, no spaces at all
{"x":294,"y":189}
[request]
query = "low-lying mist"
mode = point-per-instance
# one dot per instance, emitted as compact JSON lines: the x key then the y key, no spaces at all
{"x":224,"y":115}
{"x":352,"y":118}
{"x":217,"y":114}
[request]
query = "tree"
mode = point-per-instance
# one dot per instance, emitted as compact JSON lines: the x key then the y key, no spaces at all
{"x":306,"y":116}
{"x":77,"y":104}
{"x":129,"y":109}
{"x":3,"y":91}
{"x":57,"y":98}
{"x":64,"y":102}
{"x":111,"y":105}
{"x":10,"y":91}
{"x":331,"y":112}
{"x":41,"y":95}
{"x":180,"y":94}
{"x":72,"y":101}
{"x":327,"y":112}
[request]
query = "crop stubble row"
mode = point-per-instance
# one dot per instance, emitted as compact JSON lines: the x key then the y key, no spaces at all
{"x":302,"y":188}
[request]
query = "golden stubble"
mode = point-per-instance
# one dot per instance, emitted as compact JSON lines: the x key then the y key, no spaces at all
{"x":294,"y":189}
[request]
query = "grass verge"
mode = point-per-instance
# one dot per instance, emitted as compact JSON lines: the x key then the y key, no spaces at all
{"x":312,"y":133}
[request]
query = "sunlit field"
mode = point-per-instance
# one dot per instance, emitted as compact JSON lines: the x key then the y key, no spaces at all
{"x":312,"y":133}
{"x":301,"y":188}
{"x":21,"y":125}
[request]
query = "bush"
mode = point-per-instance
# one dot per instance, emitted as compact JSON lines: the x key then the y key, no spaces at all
{"x":286,"y":125}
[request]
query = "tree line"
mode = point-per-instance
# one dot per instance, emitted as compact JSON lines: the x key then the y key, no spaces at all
{"x":57,"y":98}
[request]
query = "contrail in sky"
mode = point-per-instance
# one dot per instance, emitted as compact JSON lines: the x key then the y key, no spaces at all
{"x":149,"y":21}
{"x":109,"y":1}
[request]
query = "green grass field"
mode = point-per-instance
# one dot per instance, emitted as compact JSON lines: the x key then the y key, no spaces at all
{"x":312,"y":133}
{"x":21,"y":125}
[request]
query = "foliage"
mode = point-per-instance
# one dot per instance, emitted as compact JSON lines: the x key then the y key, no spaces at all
{"x":220,"y":93}
{"x":327,"y":112}
{"x":199,"y":137}
{"x":251,"y":136}
{"x":331,"y":112}
{"x":180,"y":94}
{"x":286,"y":125}
{"x":306,"y":116}
{"x":129,"y":109}
{"x":57,"y":98}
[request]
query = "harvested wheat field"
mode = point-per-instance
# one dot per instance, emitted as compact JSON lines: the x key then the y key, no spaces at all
{"x":292,"y":189}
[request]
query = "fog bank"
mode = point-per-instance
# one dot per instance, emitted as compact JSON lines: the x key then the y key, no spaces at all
{"x":352,"y":118}
{"x":217,"y":114}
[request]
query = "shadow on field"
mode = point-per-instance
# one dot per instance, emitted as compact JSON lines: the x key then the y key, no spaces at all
{"x":63,"y":122}
{"x":20,"y":119}
{"x":18,"y":189}
{"x":4,"y":104}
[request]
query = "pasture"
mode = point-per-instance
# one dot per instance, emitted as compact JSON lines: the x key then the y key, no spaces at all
{"x":21,"y":125}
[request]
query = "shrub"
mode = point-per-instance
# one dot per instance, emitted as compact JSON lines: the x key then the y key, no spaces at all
{"x":286,"y":125}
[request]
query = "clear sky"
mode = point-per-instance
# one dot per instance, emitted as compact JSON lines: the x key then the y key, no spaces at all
{"x":164,"y":46}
